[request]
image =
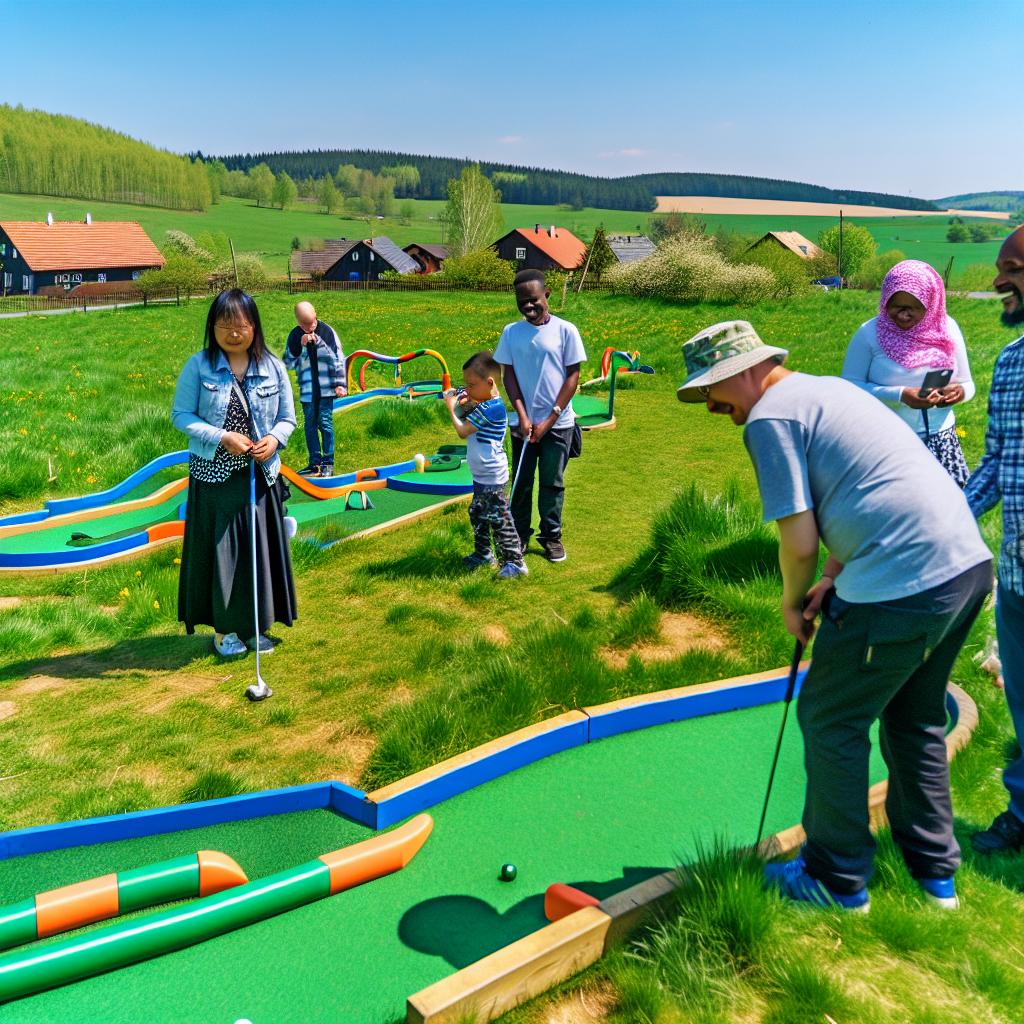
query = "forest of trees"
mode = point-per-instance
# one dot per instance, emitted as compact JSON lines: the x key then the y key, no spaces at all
{"x":53,"y":155}
{"x":539,"y":186}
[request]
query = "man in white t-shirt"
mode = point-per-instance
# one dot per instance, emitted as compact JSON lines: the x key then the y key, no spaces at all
{"x":541,"y":356}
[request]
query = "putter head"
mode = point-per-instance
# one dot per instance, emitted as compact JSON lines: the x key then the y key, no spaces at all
{"x":258,"y":691}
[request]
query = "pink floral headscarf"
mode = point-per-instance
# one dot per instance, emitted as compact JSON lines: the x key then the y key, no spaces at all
{"x":927,"y":343}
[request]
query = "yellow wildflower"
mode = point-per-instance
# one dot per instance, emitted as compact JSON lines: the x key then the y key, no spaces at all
{"x":138,"y":572}
{"x":123,"y":592}
{"x":177,"y":561}
{"x":156,"y":605}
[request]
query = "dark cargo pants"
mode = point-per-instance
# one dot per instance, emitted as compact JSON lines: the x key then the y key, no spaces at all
{"x":888,"y":661}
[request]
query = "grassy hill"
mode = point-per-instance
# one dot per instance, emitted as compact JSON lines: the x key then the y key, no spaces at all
{"x":983,"y":201}
{"x":270,"y":231}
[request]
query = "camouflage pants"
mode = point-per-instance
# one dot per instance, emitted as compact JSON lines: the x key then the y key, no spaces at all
{"x":490,"y":516}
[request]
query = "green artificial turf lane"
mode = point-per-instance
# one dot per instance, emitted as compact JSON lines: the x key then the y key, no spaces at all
{"x":55,"y":538}
{"x":602,"y":816}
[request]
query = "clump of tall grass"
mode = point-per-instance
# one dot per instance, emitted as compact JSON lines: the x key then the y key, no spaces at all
{"x":395,"y":417}
{"x":713,"y":554}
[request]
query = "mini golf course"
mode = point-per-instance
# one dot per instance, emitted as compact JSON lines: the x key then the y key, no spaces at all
{"x":606,"y":799}
{"x":144,"y":511}
{"x":355,"y":371}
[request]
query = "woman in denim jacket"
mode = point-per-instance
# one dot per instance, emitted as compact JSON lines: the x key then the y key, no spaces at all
{"x":234,"y":401}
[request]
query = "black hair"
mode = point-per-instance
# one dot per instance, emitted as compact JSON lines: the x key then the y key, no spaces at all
{"x":526,"y":276}
{"x":483,"y":364}
{"x":230,"y":305}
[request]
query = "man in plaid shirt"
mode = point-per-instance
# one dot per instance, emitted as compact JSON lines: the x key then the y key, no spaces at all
{"x":1001,"y":476}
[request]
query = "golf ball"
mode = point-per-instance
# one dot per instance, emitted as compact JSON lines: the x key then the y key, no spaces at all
{"x":508,"y":872}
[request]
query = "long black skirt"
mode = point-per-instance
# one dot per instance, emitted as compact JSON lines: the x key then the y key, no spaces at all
{"x":215,"y":585}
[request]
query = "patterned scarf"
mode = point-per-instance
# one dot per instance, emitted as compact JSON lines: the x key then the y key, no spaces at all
{"x":927,"y":343}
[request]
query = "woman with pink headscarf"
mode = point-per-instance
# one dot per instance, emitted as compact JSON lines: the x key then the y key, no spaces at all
{"x":891,"y":354}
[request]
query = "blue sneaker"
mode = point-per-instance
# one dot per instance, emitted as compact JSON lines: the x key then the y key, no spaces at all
{"x":791,"y":879}
{"x":512,"y":570}
{"x":475,"y":561}
{"x":940,"y":892}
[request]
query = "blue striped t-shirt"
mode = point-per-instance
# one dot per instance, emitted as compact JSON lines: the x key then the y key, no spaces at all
{"x":485,"y":450}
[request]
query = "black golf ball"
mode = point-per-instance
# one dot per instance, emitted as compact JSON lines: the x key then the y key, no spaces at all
{"x":508,"y":872}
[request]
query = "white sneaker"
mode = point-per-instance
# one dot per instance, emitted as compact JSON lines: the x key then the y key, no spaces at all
{"x":291,"y":526}
{"x":230,"y":646}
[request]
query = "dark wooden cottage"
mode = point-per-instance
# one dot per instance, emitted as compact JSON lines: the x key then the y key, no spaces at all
{"x":550,"y":248}
{"x":44,"y":254}
{"x":429,"y":257}
{"x":363,"y":260}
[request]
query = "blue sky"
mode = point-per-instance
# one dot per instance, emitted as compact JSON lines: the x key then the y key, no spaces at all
{"x":906,"y":97}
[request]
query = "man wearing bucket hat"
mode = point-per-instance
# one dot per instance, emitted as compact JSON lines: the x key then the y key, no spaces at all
{"x":906,"y":576}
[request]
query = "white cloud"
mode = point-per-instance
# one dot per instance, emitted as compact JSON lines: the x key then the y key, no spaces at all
{"x":510,"y":140}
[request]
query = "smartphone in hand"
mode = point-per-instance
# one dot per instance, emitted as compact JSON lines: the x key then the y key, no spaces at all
{"x":934,"y":380}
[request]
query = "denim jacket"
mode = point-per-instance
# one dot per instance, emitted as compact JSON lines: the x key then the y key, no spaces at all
{"x":204,"y":391}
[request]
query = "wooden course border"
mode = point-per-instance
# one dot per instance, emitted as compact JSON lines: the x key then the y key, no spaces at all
{"x":531,"y":965}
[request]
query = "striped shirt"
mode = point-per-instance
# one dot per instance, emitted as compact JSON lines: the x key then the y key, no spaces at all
{"x":330,"y":361}
{"x":1000,"y":474}
{"x":485,"y":449}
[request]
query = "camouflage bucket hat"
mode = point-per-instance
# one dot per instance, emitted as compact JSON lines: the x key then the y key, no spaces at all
{"x":719,"y":352}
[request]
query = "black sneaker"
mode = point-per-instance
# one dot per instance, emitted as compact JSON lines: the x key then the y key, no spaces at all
{"x":1004,"y":835}
{"x":553,"y":550}
{"x":309,"y":470}
{"x":326,"y":469}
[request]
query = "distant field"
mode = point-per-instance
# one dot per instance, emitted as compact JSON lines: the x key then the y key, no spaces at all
{"x":270,"y":231}
{"x":785,"y":208}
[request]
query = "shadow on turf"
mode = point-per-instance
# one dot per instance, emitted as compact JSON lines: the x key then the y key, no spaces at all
{"x":152,"y":653}
{"x":1007,"y":869}
{"x":463,"y":929}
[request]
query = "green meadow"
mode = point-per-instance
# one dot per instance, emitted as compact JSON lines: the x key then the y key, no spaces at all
{"x":270,"y":231}
{"x":399,"y":655}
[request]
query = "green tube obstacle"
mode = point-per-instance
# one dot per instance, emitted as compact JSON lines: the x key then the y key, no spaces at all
{"x":29,"y":971}
{"x":98,"y":899}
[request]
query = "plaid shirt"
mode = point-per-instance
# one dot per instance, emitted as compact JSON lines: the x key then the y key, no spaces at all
{"x":1001,"y":472}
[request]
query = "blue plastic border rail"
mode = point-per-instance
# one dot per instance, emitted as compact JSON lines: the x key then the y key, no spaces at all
{"x":69,"y":556}
{"x":61,"y":505}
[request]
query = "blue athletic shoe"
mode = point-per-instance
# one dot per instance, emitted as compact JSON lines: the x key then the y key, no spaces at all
{"x":791,"y":879}
{"x":513,"y":570}
{"x":940,"y":892}
{"x":475,"y":561}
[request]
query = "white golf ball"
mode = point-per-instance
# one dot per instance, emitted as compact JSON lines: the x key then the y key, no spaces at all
{"x":421,"y":462}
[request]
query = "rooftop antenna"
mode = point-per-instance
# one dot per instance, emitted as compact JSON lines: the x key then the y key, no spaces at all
{"x":49,"y":220}
{"x":88,"y":218}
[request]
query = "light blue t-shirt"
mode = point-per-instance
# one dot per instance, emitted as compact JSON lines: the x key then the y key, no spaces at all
{"x":539,"y":356}
{"x":885,"y":506}
{"x":485,"y":449}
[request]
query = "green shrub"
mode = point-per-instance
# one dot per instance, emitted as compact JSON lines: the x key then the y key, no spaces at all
{"x":975,"y":277}
{"x":690,"y":269}
{"x":252,"y":274}
{"x":873,"y":272}
{"x":484,"y":268}
{"x":185,"y":273}
{"x":858,"y":246}
{"x":791,"y":272}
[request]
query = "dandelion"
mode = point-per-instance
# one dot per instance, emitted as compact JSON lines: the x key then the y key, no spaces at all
{"x":177,"y":561}
{"x":138,"y":572}
{"x":91,"y":479}
{"x":123,"y":592}
{"x":961,"y":432}
{"x":71,"y":416}
{"x":156,"y":605}
{"x":23,"y":431}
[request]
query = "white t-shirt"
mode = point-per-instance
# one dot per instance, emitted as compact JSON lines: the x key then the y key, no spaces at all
{"x":539,"y":356}
{"x":867,"y":366}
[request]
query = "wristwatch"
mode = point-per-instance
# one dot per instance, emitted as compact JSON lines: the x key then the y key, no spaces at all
{"x":557,"y":410}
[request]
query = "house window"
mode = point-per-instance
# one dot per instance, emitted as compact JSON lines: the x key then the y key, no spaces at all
{"x":14,"y":253}
{"x":8,"y":280}
{"x":521,"y":253}
{"x":3,"y":248}
{"x":101,"y":278}
{"x":26,"y":282}
{"x":371,"y":257}
{"x":135,"y":274}
{"x":355,"y":257}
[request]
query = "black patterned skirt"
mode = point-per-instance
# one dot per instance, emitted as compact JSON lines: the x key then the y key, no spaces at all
{"x":215,"y":584}
{"x":945,"y":446}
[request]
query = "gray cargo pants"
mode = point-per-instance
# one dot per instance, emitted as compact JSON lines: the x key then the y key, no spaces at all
{"x":888,"y":661}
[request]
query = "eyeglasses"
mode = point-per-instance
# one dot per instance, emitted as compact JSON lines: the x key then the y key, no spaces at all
{"x":242,"y":328}
{"x":704,"y":391}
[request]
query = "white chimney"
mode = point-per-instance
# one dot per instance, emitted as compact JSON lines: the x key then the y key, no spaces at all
{"x":552,"y":231}
{"x":88,"y":218}
{"x":49,"y":220}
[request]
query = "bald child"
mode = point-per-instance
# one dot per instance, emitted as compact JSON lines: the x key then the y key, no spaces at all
{"x":314,"y":353}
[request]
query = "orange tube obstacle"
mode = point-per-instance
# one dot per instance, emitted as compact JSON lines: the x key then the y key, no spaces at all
{"x":34,"y":970}
{"x":99,"y":899}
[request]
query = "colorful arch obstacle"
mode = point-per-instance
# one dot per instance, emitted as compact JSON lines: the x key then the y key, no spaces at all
{"x":140,"y":514}
{"x":594,"y":413}
{"x":445,"y":936}
{"x":355,"y":371}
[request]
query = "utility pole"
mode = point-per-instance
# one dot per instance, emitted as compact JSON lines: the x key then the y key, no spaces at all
{"x":839,"y":269}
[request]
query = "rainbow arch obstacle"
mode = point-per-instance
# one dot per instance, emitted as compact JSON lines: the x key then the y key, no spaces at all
{"x":589,"y":799}
{"x":355,"y":372}
{"x":146,"y":511}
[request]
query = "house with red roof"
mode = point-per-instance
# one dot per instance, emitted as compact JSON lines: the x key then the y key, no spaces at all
{"x":551,"y":248}
{"x":37,"y":254}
